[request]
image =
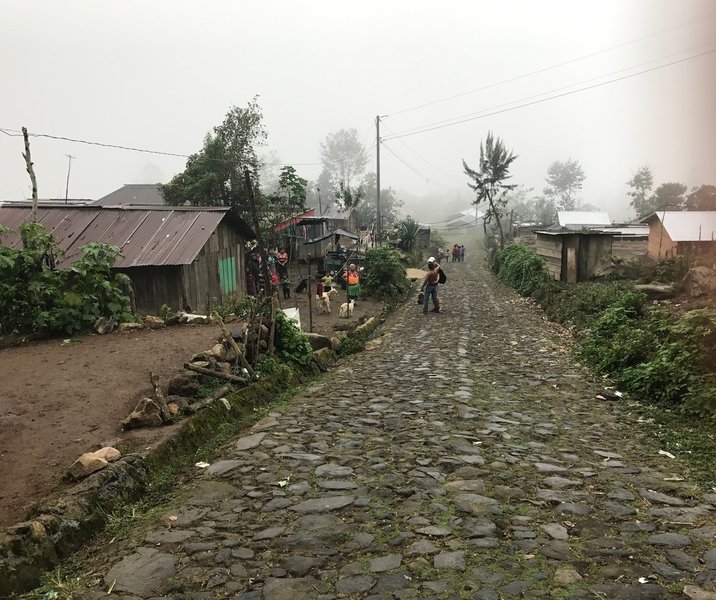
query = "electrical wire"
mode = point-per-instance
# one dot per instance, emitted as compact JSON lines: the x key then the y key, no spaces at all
{"x":133,"y":149}
{"x":549,"y":68}
{"x":553,"y":97}
{"x":418,"y":173}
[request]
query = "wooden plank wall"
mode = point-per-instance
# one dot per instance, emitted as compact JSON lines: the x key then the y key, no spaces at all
{"x":154,"y":286}
{"x":549,"y":247}
{"x":629,"y":247}
{"x":201,"y":282}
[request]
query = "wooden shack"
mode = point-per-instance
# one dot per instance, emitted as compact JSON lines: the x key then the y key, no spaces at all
{"x":681,"y":233}
{"x":183,"y":257}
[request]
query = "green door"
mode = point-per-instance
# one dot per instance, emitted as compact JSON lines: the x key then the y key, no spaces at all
{"x":227,"y":274}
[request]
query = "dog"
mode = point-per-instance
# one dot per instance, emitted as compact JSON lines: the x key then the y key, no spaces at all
{"x":324,"y":301}
{"x":346,"y":310}
{"x":303,"y":284}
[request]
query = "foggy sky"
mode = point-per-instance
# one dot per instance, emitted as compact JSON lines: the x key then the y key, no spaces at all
{"x":160,"y":74}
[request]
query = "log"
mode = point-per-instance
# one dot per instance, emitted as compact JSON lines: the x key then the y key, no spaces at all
{"x":232,"y":342}
{"x":159,"y":397}
{"x":192,"y":408}
{"x":657,"y":291}
{"x":217,"y":374}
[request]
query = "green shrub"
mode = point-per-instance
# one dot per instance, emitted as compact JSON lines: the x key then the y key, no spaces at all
{"x":236,"y":304}
{"x":625,"y":335}
{"x":385,"y":276}
{"x":35,"y":296}
{"x":579,"y":303}
{"x":292,"y":345}
{"x":521,"y":268}
{"x":681,"y":372}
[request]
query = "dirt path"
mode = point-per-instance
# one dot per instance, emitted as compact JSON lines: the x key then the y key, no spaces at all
{"x":462,"y":456}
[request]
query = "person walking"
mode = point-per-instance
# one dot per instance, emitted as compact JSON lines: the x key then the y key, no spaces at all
{"x":462,"y":253}
{"x":430,"y":286}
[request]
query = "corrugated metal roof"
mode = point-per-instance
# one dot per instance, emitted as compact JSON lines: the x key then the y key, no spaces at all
{"x":146,"y":236}
{"x":583,"y":217}
{"x":688,"y":226}
{"x":137,"y":194}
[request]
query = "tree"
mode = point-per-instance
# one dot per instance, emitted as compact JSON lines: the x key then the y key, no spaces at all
{"x":641,"y":183}
{"x":488,"y":181}
{"x":348,"y":197}
{"x":344,"y":159}
{"x":669,"y":196}
{"x":214,"y":175}
{"x":390,"y":204}
{"x":564,"y":180}
{"x":545,"y":210}
{"x":292,"y":187}
{"x":701,"y":198}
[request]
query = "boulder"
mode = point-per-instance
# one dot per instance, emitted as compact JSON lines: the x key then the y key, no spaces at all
{"x":183,"y":385}
{"x":108,"y":453}
{"x":181,"y":403}
{"x":126,"y":327}
{"x":218,"y":352}
{"x":104,"y":325}
{"x":154,"y":322}
{"x":146,"y":414}
{"x":700,"y":281}
{"x":657,"y":291}
{"x":335,"y":343}
{"x":85,"y":465}
{"x":318,"y":341}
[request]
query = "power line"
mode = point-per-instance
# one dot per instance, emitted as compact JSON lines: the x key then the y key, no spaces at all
{"x":133,"y":149}
{"x":552,"y":91}
{"x":549,"y":68}
{"x":425,"y":160}
{"x":497,"y":112}
{"x":418,"y":173}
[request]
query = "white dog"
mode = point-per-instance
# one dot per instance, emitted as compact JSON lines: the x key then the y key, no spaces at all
{"x":324,"y":301}
{"x":346,"y":310}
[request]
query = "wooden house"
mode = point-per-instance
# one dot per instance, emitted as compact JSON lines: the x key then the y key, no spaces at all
{"x":681,"y":233}
{"x":185,"y":257}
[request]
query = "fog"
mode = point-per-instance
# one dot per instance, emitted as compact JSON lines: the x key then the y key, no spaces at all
{"x":159,"y":75}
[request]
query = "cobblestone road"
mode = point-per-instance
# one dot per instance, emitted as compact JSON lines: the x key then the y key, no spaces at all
{"x":461,"y":457}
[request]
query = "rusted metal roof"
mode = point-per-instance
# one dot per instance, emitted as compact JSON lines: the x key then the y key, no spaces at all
{"x":146,"y":236}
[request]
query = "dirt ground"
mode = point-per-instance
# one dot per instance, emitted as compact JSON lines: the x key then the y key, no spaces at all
{"x":58,"y":400}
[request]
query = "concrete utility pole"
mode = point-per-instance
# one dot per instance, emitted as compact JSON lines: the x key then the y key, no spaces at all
{"x":377,"y":177}
{"x":320,"y":209}
{"x":69,"y":166}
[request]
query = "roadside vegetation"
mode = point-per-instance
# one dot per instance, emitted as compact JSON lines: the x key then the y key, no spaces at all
{"x":37,"y":297}
{"x":660,"y":354}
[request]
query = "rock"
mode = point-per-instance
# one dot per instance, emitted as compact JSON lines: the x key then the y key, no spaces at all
{"x":108,"y":453}
{"x":368,"y":323}
{"x":333,"y":470}
{"x":154,"y":322}
{"x":183,"y":385}
{"x":142,"y":572}
{"x":218,"y":351}
{"x":335,"y":343}
{"x":671,"y":540}
{"x":318,"y":341}
{"x":146,"y":414}
{"x":127,"y":327}
{"x":323,"y":504}
{"x":697,"y":593}
{"x":565,"y":576}
{"x":104,"y":325}
{"x":700,"y":281}
{"x":555,"y":531}
{"x":450,"y":560}
{"x":250,"y":441}
{"x":658,"y":497}
{"x":85,"y":465}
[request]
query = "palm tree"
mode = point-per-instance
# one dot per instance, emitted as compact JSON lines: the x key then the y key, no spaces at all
{"x":489,"y":178}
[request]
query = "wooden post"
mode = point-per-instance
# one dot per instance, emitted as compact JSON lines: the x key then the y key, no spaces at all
{"x":31,"y":171}
{"x":310,"y":296}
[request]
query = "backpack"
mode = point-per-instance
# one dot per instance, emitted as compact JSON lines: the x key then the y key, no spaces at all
{"x":442,"y":278}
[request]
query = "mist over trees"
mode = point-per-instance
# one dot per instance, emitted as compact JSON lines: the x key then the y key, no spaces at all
{"x":564,"y":181}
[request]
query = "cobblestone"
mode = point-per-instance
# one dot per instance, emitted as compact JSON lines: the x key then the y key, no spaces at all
{"x":462,"y":457}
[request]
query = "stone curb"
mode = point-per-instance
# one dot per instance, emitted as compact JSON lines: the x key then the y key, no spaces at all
{"x":58,"y":527}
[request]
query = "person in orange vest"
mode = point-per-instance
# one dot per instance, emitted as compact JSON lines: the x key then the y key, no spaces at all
{"x":352,"y":278}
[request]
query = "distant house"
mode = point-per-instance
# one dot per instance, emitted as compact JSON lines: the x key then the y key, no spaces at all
{"x":583,"y":219}
{"x":338,"y":218}
{"x":133,"y":194}
{"x":676,"y":233}
{"x":184,"y":257}
{"x":462,"y":222}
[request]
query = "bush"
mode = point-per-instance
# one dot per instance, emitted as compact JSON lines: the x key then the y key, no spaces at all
{"x":579,"y":303}
{"x":235,"y":304}
{"x":385,"y":276}
{"x":521,"y":268}
{"x":292,"y":345}
{"x":681,"y":372}
{"x":35,"y":296}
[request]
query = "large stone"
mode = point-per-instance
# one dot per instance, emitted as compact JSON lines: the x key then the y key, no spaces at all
{"x":323,"y":504}
{"x":290,"y":589}
{"x":127,"y":327}
{"x":154,"y":322}
{"x":671,"y":540}
{"x":104,"y":325}
{"x":218,"y":351}
{"x":85,"y":465}
{"x":696,"y":593}
{"x":250,"y":441}
{"x":555,"y":531}
{"x":142,"y":572}
{"x":108,"y":453}
{"x":658,"y":497}
{"x":332,"y":470}
{"x":565,"y":576}
{"x":700,"y":281}
{"x":318,"y":341}
{"x":146,"y":414}
{"x":183,"y":385}
{"x":477,"y":505}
